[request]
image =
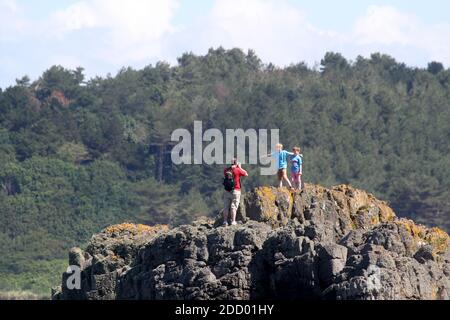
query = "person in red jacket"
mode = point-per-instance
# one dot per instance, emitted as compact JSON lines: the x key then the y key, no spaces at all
{"x":232,"y":195}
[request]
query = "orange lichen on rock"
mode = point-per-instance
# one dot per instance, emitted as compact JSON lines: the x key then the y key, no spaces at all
{"x":386,"y":213}
{"x":438,"y":239}
{"x":357,"y":202}
{"x":356,"y":208}
{"x":275,"y":204}
{"x":135,"y":229}
{"x":266,"y":193}
{"x":114,"y":258}
{"x":416,"y":230}
{"x":356,"y":199}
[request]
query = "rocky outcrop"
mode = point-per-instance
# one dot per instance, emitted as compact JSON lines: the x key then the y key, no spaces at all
{"x":107,"y":257}
{"x":338,"y":243}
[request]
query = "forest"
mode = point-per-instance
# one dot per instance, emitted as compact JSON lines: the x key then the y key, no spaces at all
{"x":77,"y":154}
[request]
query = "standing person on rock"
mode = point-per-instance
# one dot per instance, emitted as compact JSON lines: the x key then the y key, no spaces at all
{"x":282,"y":156}
{"x":232,"y":195}
{"x":297,"y":168}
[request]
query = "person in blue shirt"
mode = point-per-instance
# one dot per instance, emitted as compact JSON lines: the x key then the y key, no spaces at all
{"x":282,"y":156}
{"x":297,"y":168}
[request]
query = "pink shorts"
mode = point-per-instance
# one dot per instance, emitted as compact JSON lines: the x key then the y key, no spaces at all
{"x":296,"y":177}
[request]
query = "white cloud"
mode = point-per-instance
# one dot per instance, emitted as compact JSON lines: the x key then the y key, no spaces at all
{"x":281,"y":33}
{"x":127,"y":31}
{"x":390,"y":30}
{"x":10,"y":5}
{"x":104,"y":35}
{"x":78,"y":16}
{"x":277,"y":31}
{"x":11,"y":20}
{"x":133,"y":19}
{"x":386,"y":25}
{"x":438,"y":44}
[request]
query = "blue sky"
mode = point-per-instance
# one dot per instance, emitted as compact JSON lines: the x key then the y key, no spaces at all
{"x":105,"y":35}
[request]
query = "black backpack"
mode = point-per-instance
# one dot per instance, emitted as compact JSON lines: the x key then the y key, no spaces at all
{"x":228,"y":180}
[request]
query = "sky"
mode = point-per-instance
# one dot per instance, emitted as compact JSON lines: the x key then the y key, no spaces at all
{"x":102,"y":36}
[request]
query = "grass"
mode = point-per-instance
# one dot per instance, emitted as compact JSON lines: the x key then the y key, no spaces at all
{"x":20,"y":295}
{"x":35,"y":283}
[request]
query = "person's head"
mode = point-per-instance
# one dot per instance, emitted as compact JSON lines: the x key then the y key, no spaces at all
{"x":297,"y":150}
{"x":235,"y":162}
{"x":279,"y":147}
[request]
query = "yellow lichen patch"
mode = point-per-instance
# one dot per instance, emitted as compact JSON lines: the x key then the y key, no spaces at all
{"x":291,"y":203}
{"x":267,"y":193}
{"x":357,"y":198}
{"x":270,"y":210}
{"x":360,"y":201}
{"x":135,"y":228}
{"x":318,"y":188}
{"x":349,"y":199}
{"x":340,"y":199}
{"x":341,"y":187}
{"x":267,"y":197}
{"x":374,"y":220}
{"x":355,"y":202}
{"x":115,"y":258}
{"x":438,"y":239}
{"x":417,"y":231}
{"x":319,"y":191}
{"x":386,"y":213}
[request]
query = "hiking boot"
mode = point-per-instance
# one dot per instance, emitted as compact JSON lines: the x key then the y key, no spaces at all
{"x":225,"y":224}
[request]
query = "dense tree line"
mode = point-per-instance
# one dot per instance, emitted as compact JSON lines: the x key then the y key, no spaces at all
{"x":78,"y":155}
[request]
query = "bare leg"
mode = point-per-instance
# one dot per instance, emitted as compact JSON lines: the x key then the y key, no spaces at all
{"x":233,"y":215}
{"x":234,"y":206}
{"x":280,"y":179}
{"x":295,"y":181}
{"x":285,"y":177}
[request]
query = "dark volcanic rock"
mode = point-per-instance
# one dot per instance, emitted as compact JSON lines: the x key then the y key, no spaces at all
{"x":338,"y":243}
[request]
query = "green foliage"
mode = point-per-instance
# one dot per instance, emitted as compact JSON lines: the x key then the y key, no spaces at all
{"x":77,"y":156}
{"x":160,"y":204}
{"x":38,"y":277}
{"x":435,"y":67}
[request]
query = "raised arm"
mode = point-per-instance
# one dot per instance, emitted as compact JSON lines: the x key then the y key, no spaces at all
{"x":243,"y":172}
